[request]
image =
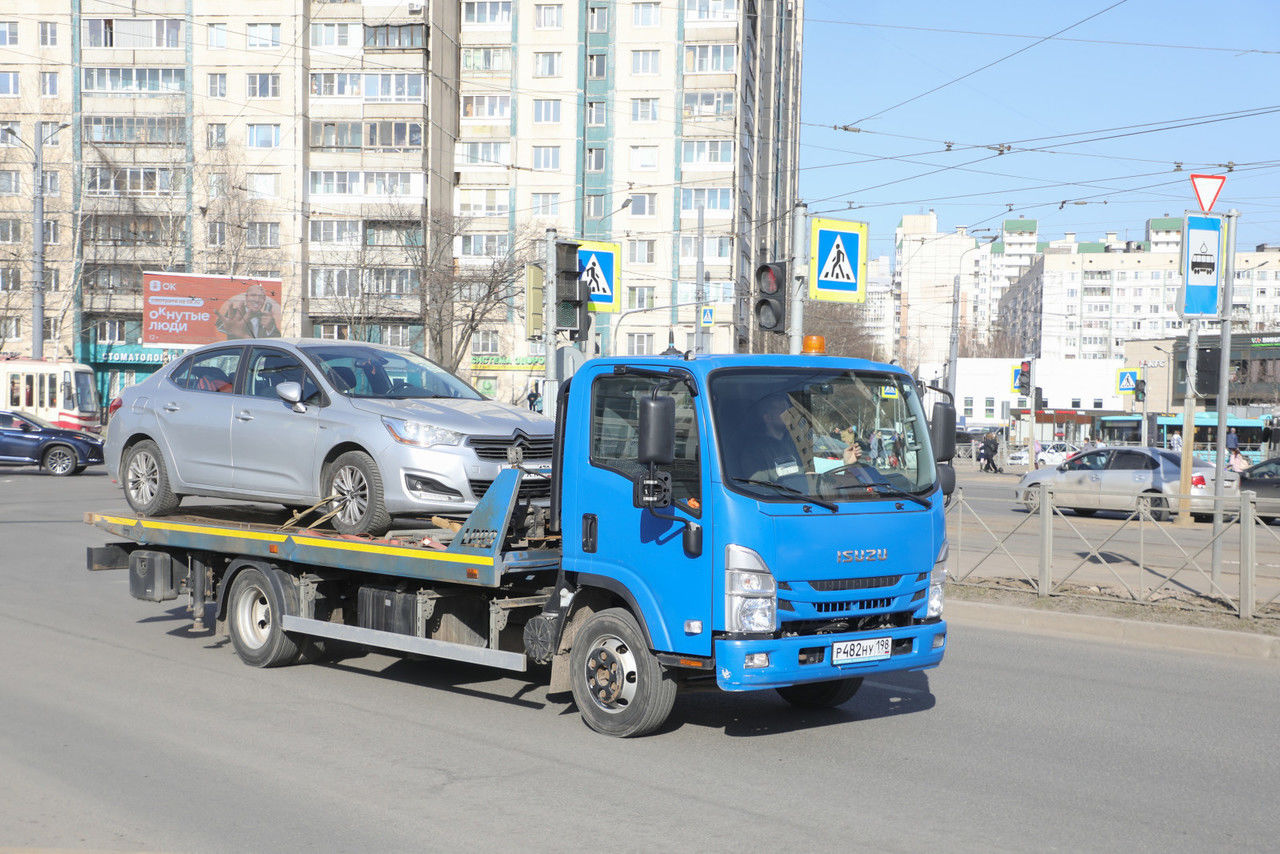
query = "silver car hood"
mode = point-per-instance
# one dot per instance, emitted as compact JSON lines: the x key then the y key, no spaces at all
{"x":472,"y":417}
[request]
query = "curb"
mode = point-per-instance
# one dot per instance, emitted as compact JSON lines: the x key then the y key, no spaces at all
{"x":1115,"y":630}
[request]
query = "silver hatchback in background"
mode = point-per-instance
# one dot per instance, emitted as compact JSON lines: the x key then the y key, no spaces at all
{"x":1113,"y":478}
{"x":383,"y":431}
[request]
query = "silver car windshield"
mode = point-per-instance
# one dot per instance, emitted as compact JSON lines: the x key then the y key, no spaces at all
{"x":798,"y":434}
{"x":372,"y":372}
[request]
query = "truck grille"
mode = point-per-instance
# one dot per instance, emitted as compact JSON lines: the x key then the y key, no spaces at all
{"x":831,"y":585}
{"x":495,"y":447}
{"x":854,"y":605}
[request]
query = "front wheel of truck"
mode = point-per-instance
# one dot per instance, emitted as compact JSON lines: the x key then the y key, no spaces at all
{"x":821,"y":695}
{"x":618,"y":685}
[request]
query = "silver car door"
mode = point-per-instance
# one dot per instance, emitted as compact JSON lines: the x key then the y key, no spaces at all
{"x":1078,"y":485}
{"x":1128,"y":474}
{"x":272,"y":444}
{"x":193,"y":409}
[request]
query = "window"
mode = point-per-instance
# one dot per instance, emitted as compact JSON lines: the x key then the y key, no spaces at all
{"x":484,"y":245}
{"x":546,"y":111}
{"x":486,"y":59}
{"x":264,"y":136}
{"x":968,"y":407}
{"x":595,"y":160}
{"x":49,"y":84}
{"x":262,"y":235}
{"x":9,"y":183}
{"x":110,"y":331}
{"x":216,"y":35}
{"x":545,"y":204}
{"x":597,"y":65}
{"x":334,"y":282}
{"x":710,"y":57}
{"x":491,"y":12}
{"x":216,"y":135}
{"x":393,"y":280}
{"x":340,"y":231}
{"x":393,"y":136}
{"x":8,"y":33}
{"x":131,"y":181}
{"x":597,"y":19}
{"x":644,"y":62}
{"x":388,"y":88}
{"x":711,"y":199}
{"x":336,"y":135}
{"x":264,"y":85}
{"x":714,"y":248}
{"x":396,"y":335}
{"x":486,"y":106}
{"x":644,"y":157}
{"x":147,"y":130}
{"x":639,"y":343}
{"x":335,"y":84}
{"x":8,"y":83}
{"x":10,"y":230}
{"x":333,"y":331}
{"x":644,"y":109}
{"x":644,"y":204}
{"x":48,"y":33}
{"x":486,"y":342}
{"x":483,"y":154}
{"x":548,"y":16}
{"x":641,"y":252}
{"x":594,"y":205}
{"x":595,"y":114}
{"x":217,"y":234}
{"x":217,"y":85}
{"x":704,"y":151}
{"x":51,"y":183}
{"x":262,"y":185}
{"x":1097,"y":403}
{"x":10,"y":278}
{"x":615,"y":403}
{"x":546,"y":64}
{"x":263,"y":35}
{"x":10,"y":327}
{"x":51,"y":328}
{"x":10,"y":134}
{"x":394,"y":36}
{"x":133,"y":33}
{"x":486,"y":202}
{"x":269,"y":367}
{"x":646,"y":15}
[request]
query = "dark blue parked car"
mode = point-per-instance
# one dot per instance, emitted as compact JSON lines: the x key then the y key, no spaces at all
{"x":26,"y":440}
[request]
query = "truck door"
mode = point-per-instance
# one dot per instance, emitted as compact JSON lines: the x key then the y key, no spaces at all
{"x":608,"y":538}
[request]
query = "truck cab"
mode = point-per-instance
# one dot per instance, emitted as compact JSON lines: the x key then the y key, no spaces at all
{"x":735,"y":517}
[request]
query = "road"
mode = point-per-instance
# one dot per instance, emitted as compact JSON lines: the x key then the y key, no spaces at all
{"x":118,"y":730}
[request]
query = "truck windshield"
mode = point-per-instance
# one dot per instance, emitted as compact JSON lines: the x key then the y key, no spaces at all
{"x":796,"y":434}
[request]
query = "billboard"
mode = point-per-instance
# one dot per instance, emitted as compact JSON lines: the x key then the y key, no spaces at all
{"x":186,"y":310}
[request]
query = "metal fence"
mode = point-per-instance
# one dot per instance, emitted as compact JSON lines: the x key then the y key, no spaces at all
{"x":1139,"y":557}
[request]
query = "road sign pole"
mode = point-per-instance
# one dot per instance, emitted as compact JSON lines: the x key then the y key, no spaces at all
{"x":699,"y":289}
{"x":1224,"y":373}
{"x":800,"y":275}
{"x":549,"y":329}
{"x":1188,"y":424}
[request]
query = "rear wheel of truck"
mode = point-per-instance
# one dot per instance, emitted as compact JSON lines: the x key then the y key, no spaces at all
{"x":253,"y":621}
{"x":618,"y":685}
{"x":821,"y":695}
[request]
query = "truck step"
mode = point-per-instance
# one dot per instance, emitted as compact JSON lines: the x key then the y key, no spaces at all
{"x":406,"y":643}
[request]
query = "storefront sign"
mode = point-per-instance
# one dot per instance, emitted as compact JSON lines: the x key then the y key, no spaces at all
{"x":184,"y":310}
{"x":508,"y":363}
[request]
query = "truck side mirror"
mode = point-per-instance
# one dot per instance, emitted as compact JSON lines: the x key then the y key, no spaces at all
{"x":657,"y":439}
{"x":942,"y":430}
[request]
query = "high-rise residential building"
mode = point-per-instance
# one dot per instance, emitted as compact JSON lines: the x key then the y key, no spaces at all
{"x":395,"y":164}
{"x":928,"y":267}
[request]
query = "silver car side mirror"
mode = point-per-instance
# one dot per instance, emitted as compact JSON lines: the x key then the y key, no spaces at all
{"x":291,"y":392}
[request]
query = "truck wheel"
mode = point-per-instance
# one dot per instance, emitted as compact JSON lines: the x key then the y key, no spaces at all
{"x":146,"y":481}
{"x":59,"y":461}
{"x":253,"y":621}
{"x":618,"y":685}
{"x":362,"y":507}
{"x":821,"y":695}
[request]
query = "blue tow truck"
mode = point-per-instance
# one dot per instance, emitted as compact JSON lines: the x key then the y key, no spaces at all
{"x":740,"y":521}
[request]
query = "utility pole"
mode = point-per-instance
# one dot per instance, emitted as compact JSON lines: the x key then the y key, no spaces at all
{"x":699,"y":289}
{"x":1224,"y":375}
{"x":799,"y":274}
{"x":549,"y":383}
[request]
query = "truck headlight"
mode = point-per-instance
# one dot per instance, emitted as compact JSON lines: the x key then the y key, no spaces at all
{"x":420,"y":433}
{"x":937,"y":578}
{"x":750,"y":593}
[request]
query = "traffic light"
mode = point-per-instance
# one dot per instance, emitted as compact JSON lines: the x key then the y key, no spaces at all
{"x":571,"y":293}
{"x":1024,"y":378}
{"x":1140,"y":390}
{"x":771,"y":304}
{"x":1040,"y":402}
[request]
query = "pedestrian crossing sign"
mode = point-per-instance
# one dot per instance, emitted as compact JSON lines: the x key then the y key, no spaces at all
{"x":598,"y":263}
{"x":838,"y":261}
{"x":1126,"y":381}
{"x":708,"y":317}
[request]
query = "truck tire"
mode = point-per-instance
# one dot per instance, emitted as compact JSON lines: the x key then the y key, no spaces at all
{"x":355,"y":478}
{"x":618,"y":685}
{"x":59,"y":461}
{"x":821,"y":695}
{"x":253,"y":621}
{"x":146,"y":480}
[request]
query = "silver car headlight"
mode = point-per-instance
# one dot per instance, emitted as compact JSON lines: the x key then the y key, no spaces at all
{"x":750,"y":592}
{"x":420,"y":433}
{"x":937,"y":578}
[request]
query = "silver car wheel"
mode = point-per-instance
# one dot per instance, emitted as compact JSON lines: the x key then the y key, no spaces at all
{"x":353,"y":494}
{"x":143,"y":478}
{"x":59,"y":460}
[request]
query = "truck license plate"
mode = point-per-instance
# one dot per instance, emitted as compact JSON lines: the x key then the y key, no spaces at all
{"x":870,"y":649}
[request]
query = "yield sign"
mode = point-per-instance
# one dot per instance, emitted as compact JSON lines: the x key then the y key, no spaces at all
{"x":1207,"y":188}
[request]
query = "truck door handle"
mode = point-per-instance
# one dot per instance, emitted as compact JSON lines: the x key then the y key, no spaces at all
{"x":244,"y":416}
{"x":589,"y":528}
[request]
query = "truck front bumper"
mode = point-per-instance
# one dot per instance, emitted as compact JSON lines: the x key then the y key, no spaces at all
{"x":807,"y":658}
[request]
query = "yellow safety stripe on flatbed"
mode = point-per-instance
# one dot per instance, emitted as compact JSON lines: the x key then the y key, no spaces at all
{"x":316,"y":542}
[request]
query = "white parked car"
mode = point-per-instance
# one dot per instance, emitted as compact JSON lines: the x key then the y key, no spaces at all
{"x":1019,"y":457}
{"x":1055,"y":453}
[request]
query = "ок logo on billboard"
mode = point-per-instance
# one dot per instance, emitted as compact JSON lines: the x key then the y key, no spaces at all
{"x":183,"y":310}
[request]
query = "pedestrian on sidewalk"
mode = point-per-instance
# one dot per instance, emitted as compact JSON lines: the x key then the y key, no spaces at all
{"x":1233,"y":441}
{"x":1237,"y":463}
{"x":1175,"y":441}
{"x":990,"y":445}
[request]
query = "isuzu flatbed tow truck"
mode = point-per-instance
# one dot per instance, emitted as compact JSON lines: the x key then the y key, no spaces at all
{"x":746,"y":522}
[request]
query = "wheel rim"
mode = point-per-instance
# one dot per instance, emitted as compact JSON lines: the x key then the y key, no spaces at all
{"x":1032,"y":500}
{"x":353,"y":494}
{"x":143,"y":478}
{"x":612,"y":674}
{"x":60,"y":461}
{"x":253,"y":616}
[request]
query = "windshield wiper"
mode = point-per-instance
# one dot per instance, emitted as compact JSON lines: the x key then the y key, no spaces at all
{"x":812,"y":499}
{"x":890,"y":491}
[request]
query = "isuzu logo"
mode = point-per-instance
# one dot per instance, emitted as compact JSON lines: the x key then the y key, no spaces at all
{"x":859,"y":555}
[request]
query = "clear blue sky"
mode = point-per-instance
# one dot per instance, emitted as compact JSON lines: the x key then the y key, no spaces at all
{"x":1143,"y":62}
